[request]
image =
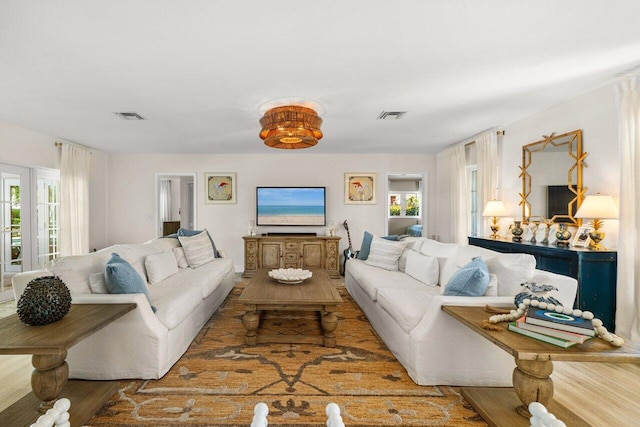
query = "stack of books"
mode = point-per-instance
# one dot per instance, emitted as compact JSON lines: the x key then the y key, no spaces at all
{"x":554,"y":328}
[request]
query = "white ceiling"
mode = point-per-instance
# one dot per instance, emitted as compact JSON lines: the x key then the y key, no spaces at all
{"x":199,"y":71}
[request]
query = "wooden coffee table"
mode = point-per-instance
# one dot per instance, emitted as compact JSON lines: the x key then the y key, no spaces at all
{"x":531,"y":377}
{"x":49,"y":344}
{"x":315,"y":294}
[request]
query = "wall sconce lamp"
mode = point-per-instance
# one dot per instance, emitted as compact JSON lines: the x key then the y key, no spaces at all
{"x":597,"y":207}
{"x":494,"y":209}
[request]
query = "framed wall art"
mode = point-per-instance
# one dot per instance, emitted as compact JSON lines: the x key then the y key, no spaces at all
{"x":582,"y":239}
{"x":360,"y":188}
{"x":220,"y":187}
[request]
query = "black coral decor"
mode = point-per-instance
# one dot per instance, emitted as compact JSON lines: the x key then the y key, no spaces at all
{"x":44,"y":300}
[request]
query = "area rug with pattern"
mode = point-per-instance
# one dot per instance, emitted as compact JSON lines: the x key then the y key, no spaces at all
{"x":219,"y":380}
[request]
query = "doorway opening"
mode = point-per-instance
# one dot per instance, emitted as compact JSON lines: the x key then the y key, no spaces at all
{"x":176,"y":198}
{"x":405,"y":207}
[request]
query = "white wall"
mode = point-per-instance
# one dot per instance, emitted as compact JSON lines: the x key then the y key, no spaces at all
{"x":594,"y":113}
{"x":32,"y":149}
{"x":132,"y":200}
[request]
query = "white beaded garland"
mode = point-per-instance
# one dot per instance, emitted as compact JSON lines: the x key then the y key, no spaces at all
{"x":598,"y":327}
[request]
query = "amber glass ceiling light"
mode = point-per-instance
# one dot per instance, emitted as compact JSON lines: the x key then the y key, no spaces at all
{"x":291,"y":126}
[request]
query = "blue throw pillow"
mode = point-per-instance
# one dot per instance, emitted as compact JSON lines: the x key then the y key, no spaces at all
{"x":471,"y":280}
{"x":188,"y":233}
{"x":365,"y":247}
{"x":122,"y":278}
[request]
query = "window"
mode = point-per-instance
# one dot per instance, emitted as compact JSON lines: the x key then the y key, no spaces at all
{"x":29,"y":215}
{"x":48,"y":214}
{"x":404,"y":204}
{"x":472,"y":174}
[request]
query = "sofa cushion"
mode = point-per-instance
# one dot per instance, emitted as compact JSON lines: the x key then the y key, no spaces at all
{"x":446,"y":254}
{"x":365,"y":246}
{"x":208,"y":276}
{"x":406,"y":306}
{"x":175,"y":299}
{"x":423,"y":268}
{"x":181,"y":259}
{"x":97,"y":283}
{"x":371,"y":279}
{"x":197,"y":249}
{"x":160,"y":266}
{"x":188,"y":233}
{"x":122,"y":278}
{"x":471,"y":280}
{"x":75,"y":270}
{"x":512,"y":270}
{"x":385,"y":253}
{"x":413,"y":244}
{"x":492,"y":289}
{"x":468,"y":252}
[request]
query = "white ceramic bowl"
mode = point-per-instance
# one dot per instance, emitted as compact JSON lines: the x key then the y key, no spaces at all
{"x":290,"y":275}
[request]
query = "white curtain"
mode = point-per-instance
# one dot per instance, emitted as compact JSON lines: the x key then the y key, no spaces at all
{"x":459,"y":195}
{"x":74,"y":200}
{"x":628,"y":288}
{"x":165,"y":199}
{"x":487,"y":149}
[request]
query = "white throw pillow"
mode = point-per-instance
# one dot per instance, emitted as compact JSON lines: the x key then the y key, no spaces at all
{"x":492,"y":289}
{"x":413,"y":244}
{"x":138,"y":266}
{"x":512,"y":271}
{"x":160,"y":266}
{"x":446,"y":253}
{"x":97,"y":283}
{"x":198,"y":249}
{"x":423,"y":268}
{"x":385,"y":253}
{"x":180,"y":257}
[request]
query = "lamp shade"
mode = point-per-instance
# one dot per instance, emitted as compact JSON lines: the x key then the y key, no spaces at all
{"x":494,"y":208}
{"x":597,"y":206}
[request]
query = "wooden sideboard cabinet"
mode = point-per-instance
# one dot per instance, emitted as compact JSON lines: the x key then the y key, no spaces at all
{"x":595,"y":271}
{"x":291,"y":251}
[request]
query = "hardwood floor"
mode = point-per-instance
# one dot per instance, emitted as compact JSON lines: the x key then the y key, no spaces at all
{"x":603,"y":394}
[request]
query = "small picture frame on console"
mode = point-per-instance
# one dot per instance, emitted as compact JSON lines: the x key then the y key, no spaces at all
{"x":582,"y":239}
{"x":360,"y":188}
{"x":220,"y":187}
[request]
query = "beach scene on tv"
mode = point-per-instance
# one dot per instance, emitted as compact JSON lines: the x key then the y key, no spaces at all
{"x":290,"y":206}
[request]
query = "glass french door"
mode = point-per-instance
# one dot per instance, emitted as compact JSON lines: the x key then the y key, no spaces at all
{"x":15,"y":222}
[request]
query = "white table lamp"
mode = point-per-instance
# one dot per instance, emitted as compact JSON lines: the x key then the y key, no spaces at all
{"x":597,"y":207}
{"x":494,"y":209}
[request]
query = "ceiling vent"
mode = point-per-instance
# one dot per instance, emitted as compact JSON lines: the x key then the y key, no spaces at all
{"x":129,"y":116}
{"x":389,"y":115}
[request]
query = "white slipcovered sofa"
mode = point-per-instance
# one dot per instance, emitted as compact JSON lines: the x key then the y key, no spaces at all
{"x":406,"y":313}
{"x":141,"y":344}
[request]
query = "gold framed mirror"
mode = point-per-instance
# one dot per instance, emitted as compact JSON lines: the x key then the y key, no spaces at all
{"x":551,"y":174}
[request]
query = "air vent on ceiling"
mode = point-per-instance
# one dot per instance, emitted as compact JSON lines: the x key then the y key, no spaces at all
{"x":130,"y":116}
{"x":388,"y":115}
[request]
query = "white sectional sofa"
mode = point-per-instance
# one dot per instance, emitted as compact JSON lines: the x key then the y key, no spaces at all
{"x":406,"y":313}
{"x":141,"y":344}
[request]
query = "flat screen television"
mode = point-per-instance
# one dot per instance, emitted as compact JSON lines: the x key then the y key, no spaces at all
{"x":558,"y":199}
{"x":291,"y":206}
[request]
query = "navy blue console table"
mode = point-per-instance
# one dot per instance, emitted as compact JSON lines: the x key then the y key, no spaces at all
{"x":596,"y":272}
